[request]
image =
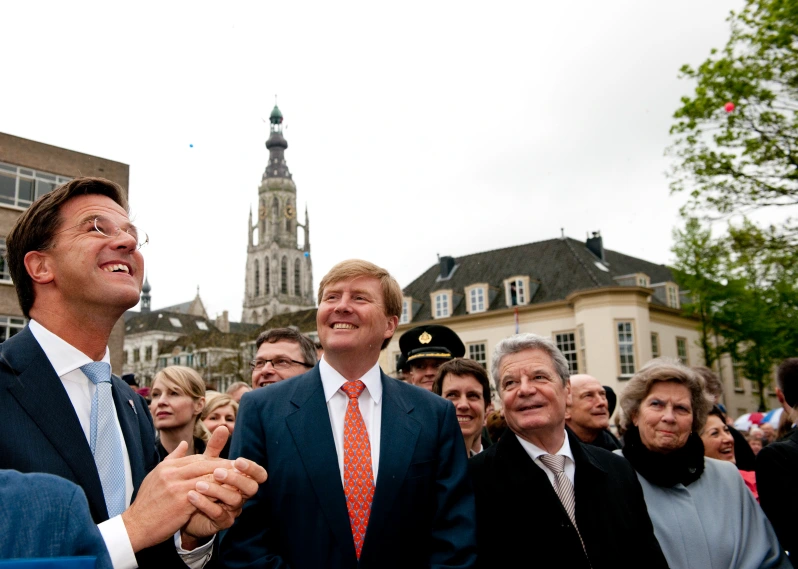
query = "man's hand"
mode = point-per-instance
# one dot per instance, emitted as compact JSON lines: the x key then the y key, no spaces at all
{"x":162,"y":505}
{"x":220,"y":497}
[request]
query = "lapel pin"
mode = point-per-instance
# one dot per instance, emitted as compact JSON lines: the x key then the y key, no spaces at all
{"x":132,"y":406}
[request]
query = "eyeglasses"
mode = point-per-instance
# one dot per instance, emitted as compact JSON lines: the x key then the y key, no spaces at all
{"x":277,"y":363}
{"x":108,"y":228}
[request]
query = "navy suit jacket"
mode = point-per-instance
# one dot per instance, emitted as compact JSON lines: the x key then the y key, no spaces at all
{"x":46,"y":516}
{"x":43,"y":433}
{"x":423,"y":510}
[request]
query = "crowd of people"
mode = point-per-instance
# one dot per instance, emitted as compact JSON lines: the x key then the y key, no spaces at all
{"x":364,"y":470}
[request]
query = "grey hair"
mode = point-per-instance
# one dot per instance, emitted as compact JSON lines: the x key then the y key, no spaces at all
{"x":664,"y":370}
{"x":521,"y":342}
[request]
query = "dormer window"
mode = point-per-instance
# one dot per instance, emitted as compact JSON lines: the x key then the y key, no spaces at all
{"x":477,"y":298}
{"x":673,"y":295}
{"x":406,"y":304}
{"x":516,"y":290}
{"x":642,"y":280}
{"x":441,"y":301}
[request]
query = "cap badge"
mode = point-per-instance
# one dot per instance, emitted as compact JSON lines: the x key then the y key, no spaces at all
{"x":425,"y":338}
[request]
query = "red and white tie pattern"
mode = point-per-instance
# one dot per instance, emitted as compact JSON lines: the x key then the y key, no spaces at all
{"x":358,"y":477}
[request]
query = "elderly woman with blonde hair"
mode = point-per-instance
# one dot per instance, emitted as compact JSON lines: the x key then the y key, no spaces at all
{"x":703,"y":514}
{"x":178,"y":398}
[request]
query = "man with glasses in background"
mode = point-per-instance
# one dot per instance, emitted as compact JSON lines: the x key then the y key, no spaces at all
{"x":282,"y":353}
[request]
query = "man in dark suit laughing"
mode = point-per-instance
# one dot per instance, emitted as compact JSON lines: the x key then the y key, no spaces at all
{"x":76,"y":263}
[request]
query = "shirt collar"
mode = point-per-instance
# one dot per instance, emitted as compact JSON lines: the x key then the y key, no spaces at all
{"x":535,"y":451}
{"x":64,"y":357}
{"x":332,"y":381}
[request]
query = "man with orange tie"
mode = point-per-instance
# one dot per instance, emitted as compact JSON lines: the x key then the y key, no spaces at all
{"x":364,"y":470}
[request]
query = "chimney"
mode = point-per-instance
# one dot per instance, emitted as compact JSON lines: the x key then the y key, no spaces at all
{"x":447,"y":265}
{"x":596,"y":245}
{"x":223,"y":322}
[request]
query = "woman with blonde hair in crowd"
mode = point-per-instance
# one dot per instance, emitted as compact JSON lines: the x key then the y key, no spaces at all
{"x":221,"y":410}
{"x":178,"y":398}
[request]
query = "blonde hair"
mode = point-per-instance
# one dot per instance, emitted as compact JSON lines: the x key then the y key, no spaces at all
{"x":188,"y":382}
{"x":355,"y":268}
{"x":220,"y":400}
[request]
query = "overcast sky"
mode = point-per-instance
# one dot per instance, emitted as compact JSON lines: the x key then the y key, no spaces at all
{"x":418,"y":129}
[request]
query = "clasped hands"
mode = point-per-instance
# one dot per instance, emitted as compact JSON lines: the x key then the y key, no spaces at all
{"x":199,"y":495}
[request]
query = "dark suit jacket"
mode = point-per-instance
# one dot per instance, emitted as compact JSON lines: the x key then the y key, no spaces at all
{"x":423,"y":509}
{"x":46,"y":516}
{"x":776,"y":475}
{"x":43,"y":433}
{"x":521,"y":521}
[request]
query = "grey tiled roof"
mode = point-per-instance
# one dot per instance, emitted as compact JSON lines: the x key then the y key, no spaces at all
{"x":556,"y":267}
{"x":161,"y":320}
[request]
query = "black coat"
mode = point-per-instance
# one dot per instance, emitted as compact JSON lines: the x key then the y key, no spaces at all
{"x":521,"y":522}
{"x":776,"y":473}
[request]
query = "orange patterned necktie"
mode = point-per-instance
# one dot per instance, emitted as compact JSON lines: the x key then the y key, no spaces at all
{"x":358,"y":478}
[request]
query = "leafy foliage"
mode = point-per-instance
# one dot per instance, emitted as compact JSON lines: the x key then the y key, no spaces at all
{"x":735,"y":162}
{"x":744,"y":287}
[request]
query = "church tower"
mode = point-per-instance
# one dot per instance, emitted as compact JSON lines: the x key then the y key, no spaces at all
{"x":279,"y":272}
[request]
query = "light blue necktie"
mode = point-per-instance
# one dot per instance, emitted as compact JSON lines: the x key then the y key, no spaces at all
{"x":105,"y":444}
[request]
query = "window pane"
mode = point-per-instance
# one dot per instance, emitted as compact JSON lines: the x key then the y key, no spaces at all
{"x":7,"y":188}
{"x":43,"y":188}
{"x":26,"y":190}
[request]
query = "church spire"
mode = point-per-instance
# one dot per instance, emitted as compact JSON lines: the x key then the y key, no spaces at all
{"x":277,"y":167}
{"x":145,"y":295}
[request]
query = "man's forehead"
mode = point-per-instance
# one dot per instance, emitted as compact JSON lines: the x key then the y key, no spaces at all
{"x":583,"y":385}
{"x":354,"y":284}
{"x":531,"y":359}
{"x":280,"y":347}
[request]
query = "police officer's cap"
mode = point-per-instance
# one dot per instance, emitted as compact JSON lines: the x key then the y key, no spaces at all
{"x":431,"y":341}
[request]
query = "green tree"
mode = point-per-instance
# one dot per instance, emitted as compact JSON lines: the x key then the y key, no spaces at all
{"x":759,"y":317}
{"x":700,"y":263}
{"x":746,"y":159}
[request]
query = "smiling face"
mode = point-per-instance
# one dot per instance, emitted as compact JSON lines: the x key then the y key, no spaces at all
{"x":466,"y":394}
{"x":533,"y":396}
{"x":84,"y":271}
{"x":225,"y":415}
{"x":588,"y":411}
{"x":282,"y":349}
{"x":665,"y":419}
{"x":171,"y":408}
{"x":717,"y":439}
{"x":352,"y":320}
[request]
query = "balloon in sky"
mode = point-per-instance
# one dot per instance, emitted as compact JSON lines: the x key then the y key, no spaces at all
{"x":729,"y":107}
{"x":307,"y":254}
{"x":191,"y":146}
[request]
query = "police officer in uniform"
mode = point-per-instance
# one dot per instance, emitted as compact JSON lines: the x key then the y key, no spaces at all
{"x":425,"y":348}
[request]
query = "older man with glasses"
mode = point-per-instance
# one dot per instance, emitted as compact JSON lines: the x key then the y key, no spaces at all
{"x":282,"y":354}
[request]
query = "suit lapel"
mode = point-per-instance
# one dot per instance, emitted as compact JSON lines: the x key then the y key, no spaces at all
{"x":128,"y":421}
{"x":399,"y":434}
{"x":41,"y":394}
{"x":310,"y":428}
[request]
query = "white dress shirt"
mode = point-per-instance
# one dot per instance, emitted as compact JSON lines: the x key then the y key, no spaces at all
{"x":534,"y":453}
{"x":66,"y":361}
{"x":370,"y":403}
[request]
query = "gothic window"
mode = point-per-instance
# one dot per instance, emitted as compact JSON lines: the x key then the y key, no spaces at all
{"x":284,"y":276}
{"x":267,"y":281}
{"x":257,"y":278}
{"x":297,"y":283}
{"x":275,"y":208}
